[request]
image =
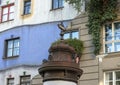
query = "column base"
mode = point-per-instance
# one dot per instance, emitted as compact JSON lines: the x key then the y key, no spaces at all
{"x":59,"y":82}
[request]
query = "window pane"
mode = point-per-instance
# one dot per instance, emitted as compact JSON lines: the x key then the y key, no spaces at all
{"x":28,"y":84}
{"x":60,"y":3}
{"x":27,"y":10}
{"x":118,"y":83}
{"x":16,"y":47}
{"x":108,"y":48}
{"x":108,"y":32}
{"x":5,"y":10}
{"x":27,"y":3}
{"x":11,"y":16}
{"x":10,"y":44}
{"x":4,"y":18}
{"x":23,"y":84}
{"x":16,"y":43}
{"x":109,"y":76}
{"x":55,"y":3}
{"x":12,"y":48}
{"x":117,"y":75}
{"x":11,"y":8}
{"x":0,"y":2}
{"x":117,"y":31}
{"x":25,"y":80}
{"x":10,"y":82}
{"x":9,"y":52}
{"x":27,"y":7}
{"x":16,"y":51}
{"x":117,"y":46}
{"x":108,"y":28}
{"x":109,"y":83}
{"x":75,"y":35}
{"x":67,"y":35}
{"x":108,"y":36}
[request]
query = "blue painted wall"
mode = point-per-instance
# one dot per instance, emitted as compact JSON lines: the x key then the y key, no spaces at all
{"x":35,"y":41}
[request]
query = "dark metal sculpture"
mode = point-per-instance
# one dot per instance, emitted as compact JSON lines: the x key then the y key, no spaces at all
{"x":62,"y":28}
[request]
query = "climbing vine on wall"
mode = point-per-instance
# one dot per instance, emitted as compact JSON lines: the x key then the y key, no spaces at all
{"x":75,"y":3}
{"x":99,"y":12}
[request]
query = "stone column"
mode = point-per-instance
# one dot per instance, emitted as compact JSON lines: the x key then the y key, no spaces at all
{"x":61,"y":67}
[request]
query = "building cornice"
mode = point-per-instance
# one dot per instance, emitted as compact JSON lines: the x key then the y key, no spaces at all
{"x":20,"y":66}
{"x":35,"y":24}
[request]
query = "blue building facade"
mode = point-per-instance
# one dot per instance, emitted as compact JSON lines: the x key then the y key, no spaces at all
{"x":35,"y":41}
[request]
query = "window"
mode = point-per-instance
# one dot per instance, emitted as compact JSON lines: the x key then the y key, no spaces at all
{"x":0,"y":2}
{"x":112,"y":78}
{"x":8,"y":12}
{"x":112,"y":37}
{"x":71,"y":34}
{"x":27,"y":6}
{"x":25,"y":80}
{"x":57,"y":4}
{"x":10,"y":81}
{"x":12,"y":47}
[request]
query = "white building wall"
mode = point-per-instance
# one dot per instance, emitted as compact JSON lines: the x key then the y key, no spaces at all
{"x":40,"y":13}
{"x":16,"y":73}
{"x":4,"y":2}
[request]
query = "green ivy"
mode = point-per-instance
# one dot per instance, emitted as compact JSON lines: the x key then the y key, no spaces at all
{"x":75,"y":43}
{"x":75,"y":3}
{"x":99,"y":12}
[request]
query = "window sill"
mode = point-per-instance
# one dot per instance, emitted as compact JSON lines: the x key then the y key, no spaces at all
{"x":12,"y":57}
{"x":7,"y":21}
{"x":113,"y":54}
{"x":56,"y":8}
{"x":26,"y":14}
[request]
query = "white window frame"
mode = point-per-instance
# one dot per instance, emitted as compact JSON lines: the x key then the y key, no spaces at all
{"x":114,"y":77}
{"x":113,"y":41}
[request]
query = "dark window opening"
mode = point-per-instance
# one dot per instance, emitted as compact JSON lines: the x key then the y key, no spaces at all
{"x":57,"y":4}
{"x":27,"y":7}
{"x":10,"y":81}
{"x":25,"y":80}
{"x":12,"y":47}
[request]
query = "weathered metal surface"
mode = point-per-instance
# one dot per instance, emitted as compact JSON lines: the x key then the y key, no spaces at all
{"x":61,"y":64}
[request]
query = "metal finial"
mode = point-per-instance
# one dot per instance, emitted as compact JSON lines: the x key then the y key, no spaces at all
{"x":63,"y":29}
